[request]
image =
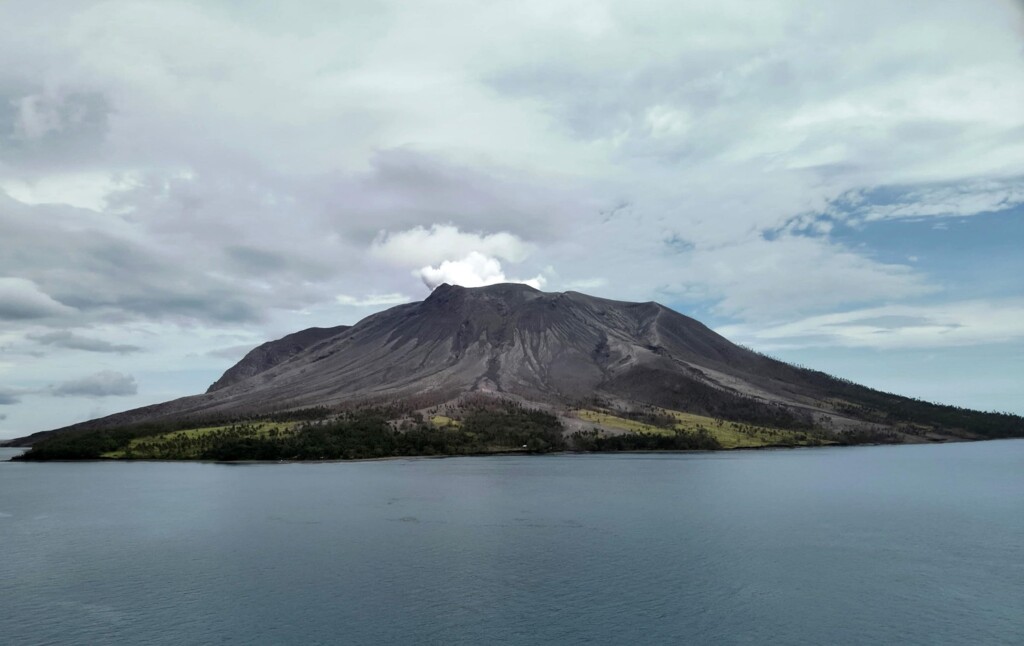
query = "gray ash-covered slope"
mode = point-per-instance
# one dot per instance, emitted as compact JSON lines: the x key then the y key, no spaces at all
{"x":555,"y":349}
{"x":548,"y":347}
{"x":266,"y":356}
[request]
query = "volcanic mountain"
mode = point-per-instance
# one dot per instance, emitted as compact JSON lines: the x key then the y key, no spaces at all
{"x":556,"y":351}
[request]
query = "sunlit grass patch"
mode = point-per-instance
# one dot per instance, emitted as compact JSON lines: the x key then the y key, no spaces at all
{"x":443,"y":421}
{"x":736,"y":435}
{"x":189,"y":443}
{"x":621,"y":423}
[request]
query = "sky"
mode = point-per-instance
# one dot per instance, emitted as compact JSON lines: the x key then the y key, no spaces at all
{"x":839,"y":185}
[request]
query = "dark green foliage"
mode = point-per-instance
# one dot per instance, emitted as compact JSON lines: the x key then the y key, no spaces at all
{"x":364,"y":435}
{"x":873,"y":436}
{"x":367,"y":433}
{"x":299,"y":414}
{"x":700,"y":440}
{"x":185,"y":446}
{"x":678,"y":392}
{"x":861,"y":402}
{"x":517,"y":427}
{"x":651,"y":417}
{"x":90,"y":445}
{"x":79,"y":447}
{"x":886,"y":408}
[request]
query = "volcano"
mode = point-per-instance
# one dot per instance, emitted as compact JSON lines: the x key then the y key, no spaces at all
{"x":555,"y":351}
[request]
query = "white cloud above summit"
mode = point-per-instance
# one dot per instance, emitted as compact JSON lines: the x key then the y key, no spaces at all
{"x":453,"y":256}
{"x":440,"y":242}
{"x":475,"y":270}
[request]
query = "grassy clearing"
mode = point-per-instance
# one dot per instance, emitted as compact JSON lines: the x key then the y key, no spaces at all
{"x":731,"y":435}
{"x":155,"y":445}
{"x":621,"y":423}
{"x":737,"y":435}
{"x":443,"y":421}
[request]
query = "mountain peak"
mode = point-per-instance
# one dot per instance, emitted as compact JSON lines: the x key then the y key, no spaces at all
{"x":556,"y":349}
{"x":496,"y":289}
{"x":448,"y":296}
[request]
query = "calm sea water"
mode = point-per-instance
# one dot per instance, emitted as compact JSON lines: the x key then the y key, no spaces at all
{"x":909,"y":545}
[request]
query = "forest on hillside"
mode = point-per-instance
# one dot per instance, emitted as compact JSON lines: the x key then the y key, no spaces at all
{"x":361,"y":434}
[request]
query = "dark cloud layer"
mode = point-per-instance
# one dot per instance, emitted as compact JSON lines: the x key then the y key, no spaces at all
{"x":42,"y":130}
{"x":21,"y":299}
{"x":9,"y":398}
{"x":107,"y":383}
{"x":70,"y":340}
{"x":234,"y":353}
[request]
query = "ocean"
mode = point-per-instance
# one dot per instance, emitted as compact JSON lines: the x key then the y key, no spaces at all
{"x":915,"y":544}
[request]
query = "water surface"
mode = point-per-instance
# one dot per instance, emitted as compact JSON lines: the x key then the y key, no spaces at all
{"x":906,"y":544}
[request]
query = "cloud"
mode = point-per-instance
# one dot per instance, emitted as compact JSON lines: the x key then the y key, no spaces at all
{"x":761,"y":279}
{"x":68,"y":339}
{"x":585,"y":284}
{"x":22,"y":299}
{"x":55,"y":127}
{"x":36,"y":117}
{"x":711,"y":125}
{"x":372,"y":300}
{"x":670,"y":150}
{"x":958,"y":323}
{"x":407,"y":187}
{"x":87,"y":190}
{"x":475,"y":270}
{"x":101,"y":384}
{"x":69,"y":261}
{"x":233,"y":353}
{"x":421,"y":245}
{"x":9,"y":397}
{"x":960,"y":199}
{"x":754,"y":277}
{"x":453,"y":256}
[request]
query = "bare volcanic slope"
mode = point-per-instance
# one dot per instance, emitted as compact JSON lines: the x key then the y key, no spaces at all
{"x":271,"y":353}
{"x":557,"y":350}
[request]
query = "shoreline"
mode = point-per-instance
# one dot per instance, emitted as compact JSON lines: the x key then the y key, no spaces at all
{"x":777,"y":447}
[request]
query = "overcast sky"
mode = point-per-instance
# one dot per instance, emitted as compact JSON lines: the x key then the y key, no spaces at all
{"x":840,"y":184}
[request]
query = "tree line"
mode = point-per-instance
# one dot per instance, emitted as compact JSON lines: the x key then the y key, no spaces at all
{"x":359,"y":434}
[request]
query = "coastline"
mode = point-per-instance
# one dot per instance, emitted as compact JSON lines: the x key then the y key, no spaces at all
{"x":776,"y":447}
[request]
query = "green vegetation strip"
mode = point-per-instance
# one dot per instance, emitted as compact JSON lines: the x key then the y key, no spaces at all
{"x":620,"y":423}
{"x":194,"y":442}
{"x":443,"y":421}
{"x":736,"y":435}
{"x":724,"y":433}
{"x":355,"y":435}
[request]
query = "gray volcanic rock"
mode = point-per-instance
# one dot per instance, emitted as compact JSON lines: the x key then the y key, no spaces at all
{"x":504,"y":338}
{"x":271,"y":353}
{"x":554,"y":349}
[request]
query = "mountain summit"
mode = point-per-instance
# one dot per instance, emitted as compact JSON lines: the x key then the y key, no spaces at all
{"x":557,"y":351}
